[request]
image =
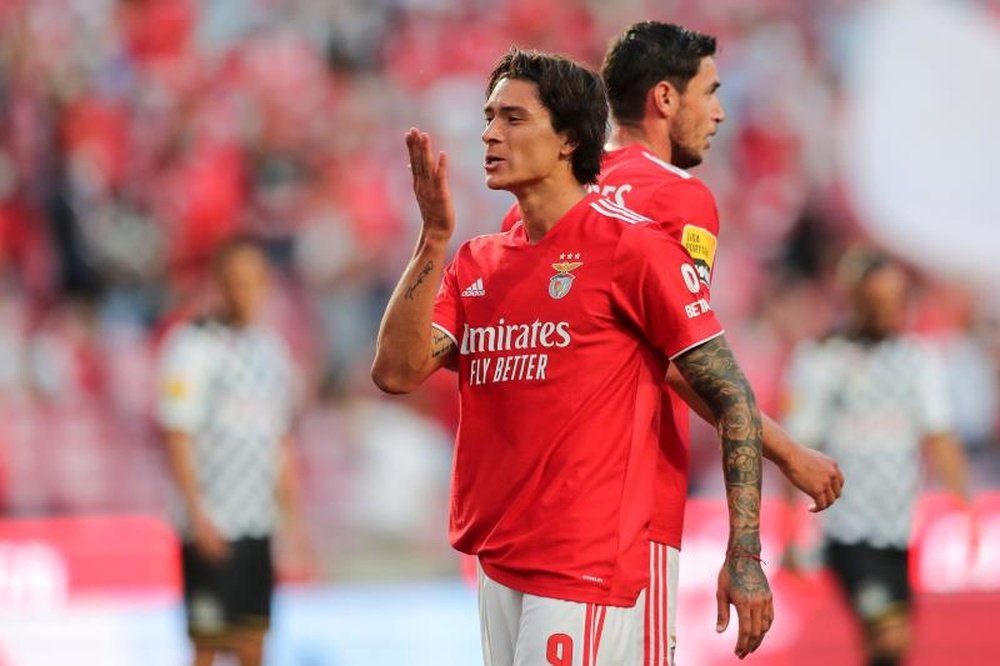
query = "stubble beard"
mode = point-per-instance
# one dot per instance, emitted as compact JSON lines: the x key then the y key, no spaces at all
{"x":682,"y":156}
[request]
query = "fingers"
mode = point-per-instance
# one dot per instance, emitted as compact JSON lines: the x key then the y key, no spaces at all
{"x":755,"y":620}
{"x":722,"y":619}
{"x":822,"y":500}
{"x":830,"y":492}
{"x":441,"y":172}
{"x":838,"y":480}
{"x":418,"y":149}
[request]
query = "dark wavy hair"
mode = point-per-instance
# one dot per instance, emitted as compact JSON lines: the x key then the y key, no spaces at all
{"x":574,"y":97}
{"x":645,"y":54}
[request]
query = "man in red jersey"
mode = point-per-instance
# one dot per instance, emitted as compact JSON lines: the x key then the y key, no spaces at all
{"x":662,"y":82}
{"x":561,"y":330}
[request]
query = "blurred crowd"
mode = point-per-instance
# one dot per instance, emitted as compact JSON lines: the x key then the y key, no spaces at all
{"x":135,"y":135}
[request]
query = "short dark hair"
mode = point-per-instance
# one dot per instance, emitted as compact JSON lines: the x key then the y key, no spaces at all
{"x":234,"y":245}
{"x":645,"y":54}
{"x":574,"y":97}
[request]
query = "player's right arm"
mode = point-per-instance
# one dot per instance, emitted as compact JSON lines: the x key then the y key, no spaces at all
{"x":181,"y":407}
{"x":408,"y":348}
{"x":204,"y":535}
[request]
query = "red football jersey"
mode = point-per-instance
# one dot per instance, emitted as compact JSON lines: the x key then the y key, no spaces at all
{"x":684,"y":207}
{"x":562,"y":349}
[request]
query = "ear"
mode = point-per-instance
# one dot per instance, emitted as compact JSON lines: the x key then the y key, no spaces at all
{"x":567,"y":147}
{"x":664,"y":99}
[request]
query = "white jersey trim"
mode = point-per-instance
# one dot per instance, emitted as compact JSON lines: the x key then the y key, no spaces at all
{"x":667,"y":165}
{"x":697,"y":344}
{"x":609,"y":209}
{"x":445,"y":331}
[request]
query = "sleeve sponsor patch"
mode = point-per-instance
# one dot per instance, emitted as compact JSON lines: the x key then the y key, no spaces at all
{"x":700,"y":244}
{"x":176,"y":388}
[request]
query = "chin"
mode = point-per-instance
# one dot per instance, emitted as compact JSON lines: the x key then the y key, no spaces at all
{"x":495,"y":182}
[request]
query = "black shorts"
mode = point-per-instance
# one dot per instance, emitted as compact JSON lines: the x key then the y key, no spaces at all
{"x":876,"y":580}
{"x":232,"y":595}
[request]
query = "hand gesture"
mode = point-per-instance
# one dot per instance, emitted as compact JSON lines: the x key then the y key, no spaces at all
{"x":430,"y":186}
{"x":817,"y":475}
{"x":743,"y":584}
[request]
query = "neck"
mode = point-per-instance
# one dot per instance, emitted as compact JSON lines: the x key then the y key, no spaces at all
{"x":644,"y":133}
{"x":543,"y":204}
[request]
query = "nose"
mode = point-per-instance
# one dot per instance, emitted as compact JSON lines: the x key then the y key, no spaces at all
{"x":490,"y":134}
{"x":719,"y":114}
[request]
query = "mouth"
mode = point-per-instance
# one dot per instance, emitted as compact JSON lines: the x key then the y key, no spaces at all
{"x":492,"y":162}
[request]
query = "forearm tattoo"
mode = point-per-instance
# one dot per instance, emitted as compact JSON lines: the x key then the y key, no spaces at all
{"x":421,"y":276}
{"x":441,"y":344}
{"x":712,"y":371}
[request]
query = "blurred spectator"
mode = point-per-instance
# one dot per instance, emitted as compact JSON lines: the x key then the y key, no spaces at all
{"x":872,"y":397}
{"x":226,"y":408}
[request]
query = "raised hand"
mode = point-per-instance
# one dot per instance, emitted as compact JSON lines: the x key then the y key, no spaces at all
{"x":430,"y":186}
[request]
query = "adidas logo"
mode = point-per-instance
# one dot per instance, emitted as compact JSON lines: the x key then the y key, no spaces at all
{"x":475,"y":289}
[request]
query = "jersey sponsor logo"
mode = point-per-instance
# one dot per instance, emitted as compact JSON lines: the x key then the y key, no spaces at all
{"x":176,"y":388}
{"x":508,"y":337}
{"x":531,"y":339}
{"x":475,"y":289}
{"x":562,"y":281}
{"x":697,"y":308}
{"x":700,"y":244}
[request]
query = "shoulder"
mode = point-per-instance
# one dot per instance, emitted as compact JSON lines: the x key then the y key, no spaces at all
{"x":823,"y":350}
{"x":485,"y":243}
{"x":676,"y":192}
{"x":649,"y":239}
{"x":189,"y":335}
{"x":610,"y":210}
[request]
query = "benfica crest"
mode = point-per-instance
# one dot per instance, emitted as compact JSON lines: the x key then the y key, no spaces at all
{"x":562,"y":281}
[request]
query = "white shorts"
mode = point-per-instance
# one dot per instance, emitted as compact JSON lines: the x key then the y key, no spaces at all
{"x":526,"y":630}
{"x":661,"y":605}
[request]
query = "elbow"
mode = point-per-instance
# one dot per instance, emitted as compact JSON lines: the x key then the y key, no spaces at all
{"x":389,"y":381}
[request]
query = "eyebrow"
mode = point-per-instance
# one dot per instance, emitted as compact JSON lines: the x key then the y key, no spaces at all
{"x":506,"y":108}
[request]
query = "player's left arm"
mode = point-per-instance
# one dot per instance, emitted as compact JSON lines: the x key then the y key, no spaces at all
{"x":811,"y":471}
{"x":715,"y":376}
{"x":947,"y":458}
{"x":943,"y":450}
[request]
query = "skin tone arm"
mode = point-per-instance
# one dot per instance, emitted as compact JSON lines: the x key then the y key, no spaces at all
{"x":948,"y":459}
{"x":716,"y":378}
{"x":812,"y":472}
{"x":206,"y":537}
{"x":408,"y":348}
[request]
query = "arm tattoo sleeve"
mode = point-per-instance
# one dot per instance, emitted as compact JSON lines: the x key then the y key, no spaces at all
{"x":421,"y":276}
{"x":713,"y":373}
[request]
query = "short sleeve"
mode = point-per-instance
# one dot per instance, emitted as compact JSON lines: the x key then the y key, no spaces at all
{"x":447,"y":305}
{"x":656,"y":286}
{"x":807,"y":395}
{"x":686,"y":210}
{"x":183,"y":379}
{"x":932,"y":398}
